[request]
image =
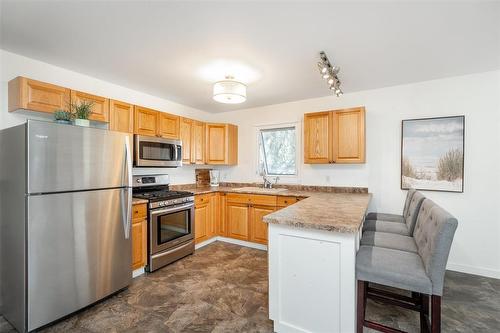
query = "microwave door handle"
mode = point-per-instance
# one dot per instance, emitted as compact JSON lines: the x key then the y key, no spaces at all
{"x":176,"y":153}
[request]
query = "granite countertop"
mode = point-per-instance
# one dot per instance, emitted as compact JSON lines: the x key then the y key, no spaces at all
{"x":136,"y":201}
{"x":340,"y":212}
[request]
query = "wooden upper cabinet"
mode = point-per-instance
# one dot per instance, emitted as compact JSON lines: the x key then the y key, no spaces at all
{"x":349,"y":135}
{"x":221,"y":144}
{"x":100,"y":108}
{"x":198,"y":143}
{"x":145,"y":121}
{"x":186,"y":135}
{"x":35,"y":95}
{"x":318,"y":137}
{"x":168,"y":125}
{"x":121,"y":116}
{"x":336,"y":136}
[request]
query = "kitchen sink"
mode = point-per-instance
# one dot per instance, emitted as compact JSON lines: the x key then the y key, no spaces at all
{"x":255,"y":189}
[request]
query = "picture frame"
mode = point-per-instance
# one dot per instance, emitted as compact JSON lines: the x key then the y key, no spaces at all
{"x":432,"y":154}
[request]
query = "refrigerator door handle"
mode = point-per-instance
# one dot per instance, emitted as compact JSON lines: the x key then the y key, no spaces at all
{"x":128,"y":162}
{"x":126,"y":199}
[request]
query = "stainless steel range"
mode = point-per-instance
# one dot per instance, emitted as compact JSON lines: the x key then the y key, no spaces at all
{"x":170,"y":220}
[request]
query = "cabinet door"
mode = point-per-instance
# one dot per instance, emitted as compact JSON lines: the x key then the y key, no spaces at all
{"x":318,"y":138}
{"x":237,"y":220}
{"x":201,"y":220}
{"x":100,"y":108}
{"x":168,"y":125}
{"x":216,"y":144}
{"x":121,"y":116}
{"x":349,"y":135}
{"x":139,"y":234}
{"x":38,"y":96}
{"x":221,"y":225}
{"x":258,"y":226}
{"x":198,"y":143}
{"x":186,"y":135}
{"x":145,"y":121}
{"x":214,"y":210}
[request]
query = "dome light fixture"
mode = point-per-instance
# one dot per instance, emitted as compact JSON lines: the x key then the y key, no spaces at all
{"x":230,"y":91}
{"x":329,"y":73}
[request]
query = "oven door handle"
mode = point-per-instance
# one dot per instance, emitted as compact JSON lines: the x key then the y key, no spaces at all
{"x":172,"y":209}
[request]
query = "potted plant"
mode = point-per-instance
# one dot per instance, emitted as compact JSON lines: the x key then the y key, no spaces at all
{"x":82,"y":112}
{"x":63,"y":116}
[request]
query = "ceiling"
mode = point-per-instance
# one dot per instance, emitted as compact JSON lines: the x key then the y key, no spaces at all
{"x":176,"y":50}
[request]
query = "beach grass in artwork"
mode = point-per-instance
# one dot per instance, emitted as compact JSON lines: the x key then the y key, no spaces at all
{"x":432,"y":154}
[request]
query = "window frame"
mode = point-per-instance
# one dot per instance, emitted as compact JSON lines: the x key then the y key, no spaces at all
{"x":298,"y":151}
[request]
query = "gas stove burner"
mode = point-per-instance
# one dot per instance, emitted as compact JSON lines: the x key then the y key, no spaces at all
{"x":162,"y":195}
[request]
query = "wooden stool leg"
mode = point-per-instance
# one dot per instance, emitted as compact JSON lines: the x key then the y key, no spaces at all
{"x":435,"y":314}
{"x":424,"y":313}
{"x":361,"y":305}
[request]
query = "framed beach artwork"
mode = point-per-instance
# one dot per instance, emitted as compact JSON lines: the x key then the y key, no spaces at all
{"x":432,"y":154}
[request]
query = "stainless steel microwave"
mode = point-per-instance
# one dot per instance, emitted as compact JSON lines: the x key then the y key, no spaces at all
{"x":157,"y":152}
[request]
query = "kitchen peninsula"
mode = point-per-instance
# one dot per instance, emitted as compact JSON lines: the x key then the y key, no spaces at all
{"x":312,"y":249}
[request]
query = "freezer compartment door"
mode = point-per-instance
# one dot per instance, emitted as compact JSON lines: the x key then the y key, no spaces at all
{"x":72,"y":158}
{"x":79,"y":251}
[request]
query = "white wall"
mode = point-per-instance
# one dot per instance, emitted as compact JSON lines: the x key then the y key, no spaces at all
{"x":13,"y":65}
{"x":476,"y":247}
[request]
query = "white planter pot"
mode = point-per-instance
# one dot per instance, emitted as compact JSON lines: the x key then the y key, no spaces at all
{"x":82,"y":122}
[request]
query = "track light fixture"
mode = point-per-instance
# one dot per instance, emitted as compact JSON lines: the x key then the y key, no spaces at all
{"x":329,"y":73}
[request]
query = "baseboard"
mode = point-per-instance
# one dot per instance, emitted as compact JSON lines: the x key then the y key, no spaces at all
{"x":137,"y":272}
{"x":486,"y":272}
{"x":242,"y":243}
{"x":205,"y":243}
{"x":232,"y":241}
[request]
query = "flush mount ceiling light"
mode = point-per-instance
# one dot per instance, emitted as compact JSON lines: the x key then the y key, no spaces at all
{"x":329,"y":73}
{"x":229,"y":91}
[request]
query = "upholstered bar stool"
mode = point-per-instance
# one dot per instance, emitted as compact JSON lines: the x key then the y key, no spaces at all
{"x":405,"y":228}
{"x":393,"y":217}
{"x":422,"y":273}
{"x":397,"y":241}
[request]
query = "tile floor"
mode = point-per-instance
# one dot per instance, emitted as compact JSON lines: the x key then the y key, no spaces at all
{"x":223,"y":288}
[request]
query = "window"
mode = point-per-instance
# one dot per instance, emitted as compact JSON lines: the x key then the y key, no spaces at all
{"x":277,"y":151}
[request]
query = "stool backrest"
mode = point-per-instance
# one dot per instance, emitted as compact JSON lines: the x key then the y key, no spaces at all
{"x":409,"y":195}
{"x":413,"y":210}
{"x":434,"y":234}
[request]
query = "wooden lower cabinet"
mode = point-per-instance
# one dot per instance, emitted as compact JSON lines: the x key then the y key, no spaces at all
{"x":206,"y":216}
{"x":258,"y":231}
{"x":234,"y":215}
{"x":237,"y":215}
{"x":139,"y":236}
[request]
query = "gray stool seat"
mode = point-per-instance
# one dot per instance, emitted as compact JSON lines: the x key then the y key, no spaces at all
{"x":384,"y":226}
{"x":385,"y":217}
{"x":389,"y":241}
{"x":394,"y":268}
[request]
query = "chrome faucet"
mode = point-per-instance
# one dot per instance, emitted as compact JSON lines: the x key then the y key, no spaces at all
{"x":268,"y":183}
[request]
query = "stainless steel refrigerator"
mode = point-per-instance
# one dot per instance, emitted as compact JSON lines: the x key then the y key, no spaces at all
{"x":65,"y":195}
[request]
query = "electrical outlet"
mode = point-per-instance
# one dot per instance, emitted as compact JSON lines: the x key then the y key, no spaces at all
{"x":327,"y":178}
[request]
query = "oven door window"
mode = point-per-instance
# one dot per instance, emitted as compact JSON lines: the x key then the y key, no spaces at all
{"x":156,"y":151}
{"x":173,"y":225}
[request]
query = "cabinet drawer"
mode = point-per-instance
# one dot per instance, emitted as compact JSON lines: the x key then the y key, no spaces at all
{"x":139,"y":211}
{"x":286,"y":201}
{"x":265,"y":200}
{"x":201,"y":199}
